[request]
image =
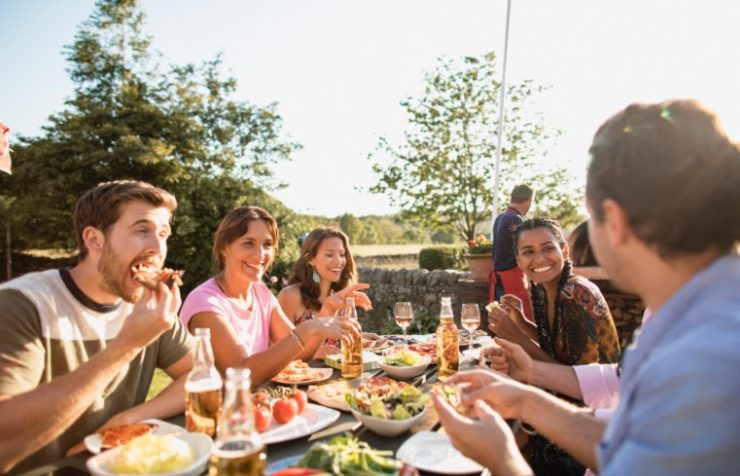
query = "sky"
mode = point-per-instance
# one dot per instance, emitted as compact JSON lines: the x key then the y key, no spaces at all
{"x":338,"y":69}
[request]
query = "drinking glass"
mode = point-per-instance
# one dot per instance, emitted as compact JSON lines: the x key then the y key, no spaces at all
{"x":404,"y":315}
{"x":470,"y":319}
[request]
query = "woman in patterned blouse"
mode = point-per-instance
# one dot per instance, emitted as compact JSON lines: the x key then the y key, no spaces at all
{"x":572,"y":325}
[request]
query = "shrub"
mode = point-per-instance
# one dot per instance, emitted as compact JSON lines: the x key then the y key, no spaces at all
{"x":438,"y":257}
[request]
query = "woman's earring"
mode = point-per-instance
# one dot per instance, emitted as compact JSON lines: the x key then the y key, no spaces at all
{"x":315,"y":276}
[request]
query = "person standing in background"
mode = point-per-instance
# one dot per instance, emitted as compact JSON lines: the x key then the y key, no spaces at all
{"x":507,"y":278}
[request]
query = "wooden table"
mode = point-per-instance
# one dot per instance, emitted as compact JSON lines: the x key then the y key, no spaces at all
{"x":75,"y":465}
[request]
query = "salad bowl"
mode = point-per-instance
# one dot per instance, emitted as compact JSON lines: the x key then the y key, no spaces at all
{"x":404,"y":364}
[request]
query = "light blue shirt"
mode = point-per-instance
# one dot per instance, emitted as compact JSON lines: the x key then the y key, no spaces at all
{"x":679,"y":409}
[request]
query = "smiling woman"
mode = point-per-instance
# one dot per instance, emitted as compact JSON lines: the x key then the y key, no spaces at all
{"x":248,"y":325}
{"x":572,"y":326}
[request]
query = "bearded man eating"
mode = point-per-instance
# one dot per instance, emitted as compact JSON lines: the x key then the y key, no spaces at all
{"x":79,"y":346}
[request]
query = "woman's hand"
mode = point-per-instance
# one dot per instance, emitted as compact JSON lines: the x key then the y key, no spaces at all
{"x":335,"y":302}
{"x":512,"y":305}
{"x":501,"y":322}
{"x":346,"y":330}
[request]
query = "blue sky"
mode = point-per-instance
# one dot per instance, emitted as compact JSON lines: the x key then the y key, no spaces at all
{"x":338,"y":68}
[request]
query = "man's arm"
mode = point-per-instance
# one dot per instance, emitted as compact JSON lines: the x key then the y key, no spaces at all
{"x":30,"y":420}
{"x":572,"y":428}
{"x":557,"y":378}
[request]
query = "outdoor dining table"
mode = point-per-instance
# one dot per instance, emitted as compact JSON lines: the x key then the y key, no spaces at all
{"x":76,"y":465}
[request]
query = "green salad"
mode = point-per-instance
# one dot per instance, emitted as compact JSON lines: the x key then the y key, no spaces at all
{"x":400,"y":403}
{"x":346,"y":455}
{"x":403,"y":358}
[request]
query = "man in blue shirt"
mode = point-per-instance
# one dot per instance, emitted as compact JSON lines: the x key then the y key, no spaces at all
{"x":507,"y":277}
{"x":662,"y":191}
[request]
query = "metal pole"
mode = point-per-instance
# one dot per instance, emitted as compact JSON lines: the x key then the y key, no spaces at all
{"x":502,"y":96}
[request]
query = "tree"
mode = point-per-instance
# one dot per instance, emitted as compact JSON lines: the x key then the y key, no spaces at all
{"x":179,"y":129}
{"x":442,"y":171}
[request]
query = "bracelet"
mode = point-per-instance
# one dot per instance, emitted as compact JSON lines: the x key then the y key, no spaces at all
{"x":297,"y":338}
{"x":528,"y":429}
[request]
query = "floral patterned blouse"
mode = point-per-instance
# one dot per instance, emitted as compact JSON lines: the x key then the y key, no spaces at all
{"x":583,"y":330}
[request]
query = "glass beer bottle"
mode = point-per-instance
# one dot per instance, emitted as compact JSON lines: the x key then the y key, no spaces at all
{"x":238,"y":450}
{"x":448,"y":341}
{"x":202,"y":388}
{"x":351,"y":354}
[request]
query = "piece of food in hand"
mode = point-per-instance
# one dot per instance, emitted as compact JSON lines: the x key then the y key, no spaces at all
{"x":150,"y":277}
{"x":492,"y":305}
{"x":152,"y":454}
{"x":122,"y":434}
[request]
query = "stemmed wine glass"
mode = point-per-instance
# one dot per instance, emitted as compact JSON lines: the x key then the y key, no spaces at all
{"x":404,"y":315}
{"x":470,"y":320}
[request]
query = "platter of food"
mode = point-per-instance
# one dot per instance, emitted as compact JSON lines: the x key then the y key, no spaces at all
{"x":386,"y":406}
{"x":298,"y":372}
{"x":283,"y":413}
{"x":343,"y":454}
{"x":426,"y":349}
{"x":121,"y":434}
{"x":184,"y":454}
{"x":331,"y":394}
{"x":312,"y":419}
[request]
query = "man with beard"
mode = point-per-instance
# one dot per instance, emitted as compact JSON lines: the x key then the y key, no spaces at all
{"x":79,"y":346}
{"x":678,"y":403}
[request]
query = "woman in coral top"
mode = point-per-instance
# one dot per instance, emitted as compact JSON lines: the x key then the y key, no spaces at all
{"x":248,"y":326}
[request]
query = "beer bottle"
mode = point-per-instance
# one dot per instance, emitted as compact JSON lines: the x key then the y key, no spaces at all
{"x":351,"y":354}
{"x":202,"y":388}
{"x":238,"y":450}
{"x":448,"y":341}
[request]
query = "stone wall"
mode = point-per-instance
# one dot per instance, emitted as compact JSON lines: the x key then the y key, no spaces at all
{"x":424,"y":289}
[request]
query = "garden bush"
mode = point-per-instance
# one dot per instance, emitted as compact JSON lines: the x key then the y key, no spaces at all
{"x":439,"y":257}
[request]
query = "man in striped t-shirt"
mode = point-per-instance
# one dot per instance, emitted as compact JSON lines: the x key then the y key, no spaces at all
{"x":79,"y":346}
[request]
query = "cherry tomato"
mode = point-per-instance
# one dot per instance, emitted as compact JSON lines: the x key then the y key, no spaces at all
{"x":301,"y":399}
{"x":262,"y":418}
{"x":284,"y":410}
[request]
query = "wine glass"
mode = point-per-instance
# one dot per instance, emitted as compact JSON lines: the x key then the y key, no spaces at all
{"x":470,"y":319}
{"x":404,"y":315}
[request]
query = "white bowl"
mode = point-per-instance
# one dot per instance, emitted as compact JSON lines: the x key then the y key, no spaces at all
{"x":200,"y":443}
{"x":386,"y":427}
{"x":405,"y":372}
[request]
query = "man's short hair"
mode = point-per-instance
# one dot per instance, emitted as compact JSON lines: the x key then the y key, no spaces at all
{"x":521,"y":194}
{"x":674,"y":171}
{"x":101,"y":206}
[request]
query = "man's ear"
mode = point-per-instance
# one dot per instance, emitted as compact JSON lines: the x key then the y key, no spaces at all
{"x":616,"y":223}
{"x":94,"y":239}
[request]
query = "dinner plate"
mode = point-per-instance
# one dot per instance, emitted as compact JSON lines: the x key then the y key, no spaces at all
{"x":431,"y":451}
{"x":312,"y":419}
{"x":200,"y":443}
{"x":324,"y":373}
{"x":94,"y":444}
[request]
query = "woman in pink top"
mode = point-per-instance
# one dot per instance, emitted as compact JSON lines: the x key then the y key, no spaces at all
{"x":248,"y":326}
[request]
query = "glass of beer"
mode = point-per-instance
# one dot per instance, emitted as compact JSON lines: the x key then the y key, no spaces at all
{"x":404,"y":314}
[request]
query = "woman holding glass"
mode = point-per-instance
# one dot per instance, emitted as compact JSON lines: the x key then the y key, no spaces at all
{"x":321,"y":277}
{"x":248,"y":326}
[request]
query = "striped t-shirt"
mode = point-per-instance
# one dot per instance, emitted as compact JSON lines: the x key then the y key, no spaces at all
{"x":50,"y":328}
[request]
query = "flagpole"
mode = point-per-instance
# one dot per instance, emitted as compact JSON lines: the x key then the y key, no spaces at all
{"x":502,"y":97}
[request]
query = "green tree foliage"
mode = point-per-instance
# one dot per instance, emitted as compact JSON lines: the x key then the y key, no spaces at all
{"x":177,"y":127}
{"x":441,"y":173}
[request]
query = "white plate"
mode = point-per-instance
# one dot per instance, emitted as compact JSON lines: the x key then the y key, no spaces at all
{"x":431,"y":451}
{"x":201,"y":444}
{"x":312,"y":419}
{"x":325,"y":374}
{"x":94,"y":444}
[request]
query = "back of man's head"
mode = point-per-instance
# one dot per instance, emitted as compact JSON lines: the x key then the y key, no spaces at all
{"x":101,"y":206}
{"x":676,"y":174}
{"x":521,"y":194}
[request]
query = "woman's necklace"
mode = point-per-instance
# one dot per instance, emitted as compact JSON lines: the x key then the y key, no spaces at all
{"x":246,"y":302}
